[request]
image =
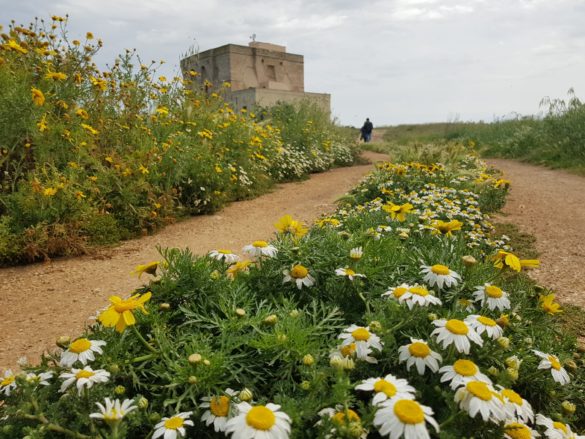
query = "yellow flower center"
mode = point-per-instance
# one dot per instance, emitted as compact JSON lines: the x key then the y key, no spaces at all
{"x":399,"y":291}
{"x":224,"y":251}
{"x":486,"y":321}
{"x":512,"y":396}
{"x":465,"y":368}
{"x":80,"y":345}
{"x":439,"y":269}
{"x":419,"y":291}
{"x":493,"y":291}
{"x":261,"y":418}
{"x":348,"y":350}
{"x":174,"y":423}
{"x":84,"y":374}
{"x":361,"y":334}
{"x":384,"y":386}
{"x":554,"y":362}
{"x":457,"y":327}
{"x":260,"y":244}
{"x":418,"y":349}
{"x":299,"y":272}
{"x":349,"y":272}
{"x":479,"y":390}
{"x":560,"y":426}
{"x":341,"y":418}
{"x":517,"y":431}
{"x":8,"y":380}
{"x":409,"y":412}
{"x":219,"y":406}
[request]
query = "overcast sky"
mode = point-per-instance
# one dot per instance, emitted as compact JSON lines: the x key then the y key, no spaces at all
{"x":395,"y":61}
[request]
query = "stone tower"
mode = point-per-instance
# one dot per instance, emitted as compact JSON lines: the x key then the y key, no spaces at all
{"x":260,"y":74}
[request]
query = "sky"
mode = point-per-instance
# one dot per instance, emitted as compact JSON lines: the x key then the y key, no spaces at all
{"x":394,"y":61}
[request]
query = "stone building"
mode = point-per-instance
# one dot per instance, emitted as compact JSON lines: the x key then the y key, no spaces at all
{"x":260,"y":74}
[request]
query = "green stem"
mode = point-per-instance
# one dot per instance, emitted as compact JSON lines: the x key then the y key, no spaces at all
{"x":365,"y":302}
{"x":142,"y":358}
{"x":55,"y":427}
{"x":144,"y":342}
{"x":449,"y":420}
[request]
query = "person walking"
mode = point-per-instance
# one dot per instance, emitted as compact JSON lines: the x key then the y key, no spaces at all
{"x":366,"y":130}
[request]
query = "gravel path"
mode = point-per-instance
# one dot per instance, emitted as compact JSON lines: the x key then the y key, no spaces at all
{"x":550,"y":204}
{"x":41,"y":302}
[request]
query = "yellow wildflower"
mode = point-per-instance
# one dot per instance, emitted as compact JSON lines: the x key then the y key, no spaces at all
{"x":42,"y":124}
{"x":38,"y":97}
{"x":143,"y":170}
{"x":82,"y":113}
{"x":287,"y":224}
{"x":89,"y":129}
{"x":49,"y":192}
{"x":238,"y":267}
{"x":13,"y":45}
{"x":506,"y":259}
{"x":149,"y":268}
{"x":89,"y":36}
{"x":548,"y":305}
{"x":446,"y":228}
{"x":79,"y":195}
{"x":398,"y":212}
{"x":119,"y":314}
{"x":56,"y":76}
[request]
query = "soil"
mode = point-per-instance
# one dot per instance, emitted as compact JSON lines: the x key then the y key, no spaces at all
{"x":40,"y":302}
{"x":550,"y":204}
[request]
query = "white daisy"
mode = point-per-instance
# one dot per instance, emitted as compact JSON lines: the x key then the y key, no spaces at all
{"x":40,"y":379}
{"x":483,"y":324}
{"x":113,"y":411}
{"x":552,"y":362}
{"x":8,"y":383}
{"x":351,"y":275}
{"x":363,"y":339}
{"x":461,"y":372}
{"x":456,"y":332}
{"x":218,"y":409}
{"x":397,"y":292}
{"x":299,"y":275}
{"x":348,"y":352}
{"x":224,"y":255}
{"x":480,"y":397}
{"x":419,"y":354}
{"x":81,"y":350}
{"x":83,"y":377}
{"x":555,"y":429}
{"x":173,"y":427}
{"x":439,"y":275}
{"x":465,"y":305}
{"x":492,"y":296}
{"x":400,"y":417}
{"x":386,"y":388}
{"x":356,"y":253}
{"x":418,"y":295}
{"x":519,"y":430}
{"x":260,"y":248}
{"x":259,"y":422}
{"x":516,"y":406}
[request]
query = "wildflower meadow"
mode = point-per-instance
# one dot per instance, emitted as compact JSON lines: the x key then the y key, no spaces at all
{"x":400,"y":315}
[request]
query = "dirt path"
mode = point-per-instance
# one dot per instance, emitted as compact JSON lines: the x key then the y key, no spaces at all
{"x":550,"y":204}
{"x":41,"y":302}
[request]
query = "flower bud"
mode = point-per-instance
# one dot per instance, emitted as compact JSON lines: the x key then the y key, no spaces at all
{"x":195,"y":358}
{"x":305,"y":385}
{"x":240,"y":312}
{"x":142,"y":403}
{"x":308,"y":360}
{"x":215,"y":275}
{"x":246,"y":395}
{"x":432,"y":316}
{"x":571,"y":365}
{"x":493,"y":371}
{"x":503,"y":321}
{"x":192,"y":379}
{"x":154,"y":417}
{"x":528,"y":341}
{"x":355,"y":429}
{"x":271,"y":319}
{"x":513,"y":362}
{"x":375,"y":326}
{"x":282,"y":338}
{"x":164,"y":306}
{"x":512,"y":373}
{"x":206,"y":362}
{"x":504,"y":342}
{"x":403,"y":235}
{"x":119,"y":390}
{"x":294,"y":313}
{"x":468,"y":260}
{"x":568,"y":407}
{"x":63,"y":342}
